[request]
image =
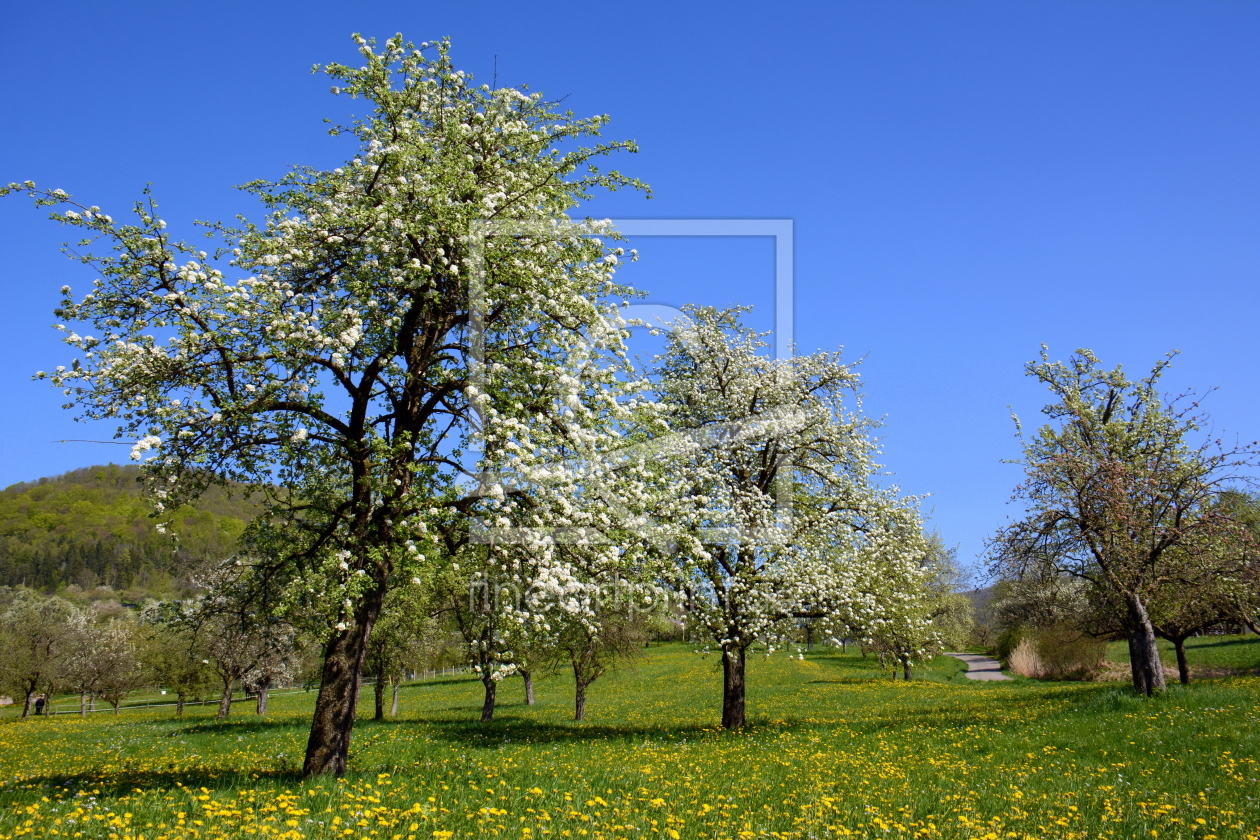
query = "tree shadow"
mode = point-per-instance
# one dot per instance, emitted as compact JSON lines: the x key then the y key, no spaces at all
{"x":125,"y":782}
{"x":435,"y":683}
{"x":241,"y":726}
{"x":1250,"y":641}
{"x":517,"y":729}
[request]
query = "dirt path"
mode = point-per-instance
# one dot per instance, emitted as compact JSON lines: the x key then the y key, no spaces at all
{"x":981,"y":667}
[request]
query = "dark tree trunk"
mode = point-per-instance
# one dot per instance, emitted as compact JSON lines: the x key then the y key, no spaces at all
{"x":487,"y":706}
{"x":529,"y":687}
{"x":262,"y":696}
{"x":732,"y":687}
{"x":1135,"y":667}
{"x":809,"y":637}
{"x":378,"y":692}
{"x":26,"y":707}
{"x":393,"y":706}
{"x":179,"y":706}
{"x":328,"y":746}
{"x":579,"y":700}
{"x":1144,"y":643}
{"x":1183,"y":667}
{"x":906,"y":668}
{"x":225,"y":702}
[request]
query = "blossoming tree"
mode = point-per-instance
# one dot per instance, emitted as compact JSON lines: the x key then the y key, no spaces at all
{"x":777,"y":515}
{"x":1120,"y":497}
{"x":355,"y":351}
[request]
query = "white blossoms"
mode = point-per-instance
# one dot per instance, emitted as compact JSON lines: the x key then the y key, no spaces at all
{"x":144,"y":445}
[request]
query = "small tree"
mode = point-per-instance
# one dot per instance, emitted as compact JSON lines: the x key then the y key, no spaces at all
{"x":116,"y":661}
{"x":101,"y":659}
{"x":404,"y":636}
{"x":916,"y":611}
{"x":240,"y":648}
{"x":172,"y":659}
{"x":593,"y":645}
{"x":1118,"y":496}
{"x":35,"y":640}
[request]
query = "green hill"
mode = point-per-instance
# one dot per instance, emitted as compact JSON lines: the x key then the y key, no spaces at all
{"x":93,"y":527}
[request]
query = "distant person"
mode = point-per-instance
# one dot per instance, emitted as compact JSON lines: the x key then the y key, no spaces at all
{"x":39,"y":705}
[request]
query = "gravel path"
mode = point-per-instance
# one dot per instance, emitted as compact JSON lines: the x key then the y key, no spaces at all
{"x":981,"y":667}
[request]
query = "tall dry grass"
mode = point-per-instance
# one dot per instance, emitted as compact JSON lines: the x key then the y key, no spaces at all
{"x":1025,"y":661}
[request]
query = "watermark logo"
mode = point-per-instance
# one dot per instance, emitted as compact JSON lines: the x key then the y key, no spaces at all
{"x":676,"y":445}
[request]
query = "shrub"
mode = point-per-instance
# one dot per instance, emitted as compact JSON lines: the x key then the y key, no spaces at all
{"x":1008,"y":640}
{"x":1057,"y":652}
{"x":1024,"y":659}
{"x":1068,"y":654}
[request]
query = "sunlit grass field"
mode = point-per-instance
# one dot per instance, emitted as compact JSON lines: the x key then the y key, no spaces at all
{"x":1205,"y":654}
{"x":836,"y":749}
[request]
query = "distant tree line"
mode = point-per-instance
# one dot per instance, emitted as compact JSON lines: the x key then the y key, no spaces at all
{"x":93,"y":526}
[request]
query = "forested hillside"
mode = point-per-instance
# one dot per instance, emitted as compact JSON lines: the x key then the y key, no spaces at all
{"x":93,"y":526}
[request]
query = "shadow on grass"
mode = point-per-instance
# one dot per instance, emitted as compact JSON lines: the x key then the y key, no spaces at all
{"x":446,"y":681}
{"x":117,"y":783}
{"x":1246,"y":642}
{"x":122,"y":781}
{"x":508,"y":728}
{"x":242,"y":726}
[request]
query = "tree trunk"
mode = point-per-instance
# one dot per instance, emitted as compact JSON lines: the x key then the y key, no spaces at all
{"x":225,"y":702}
{"x":529,"y":688}
{"x":82,"y":704}
{"x":393,"y":706}
{"x":1145,"y":645}
{"x":579,"y":700}
{"x":1183,"y":667}
{"x":262,"y":696}
{"x":26,"y":707}
{"x":487,"y":707}
{"x":1135,"y":666}
{"x":844,"y":645}
{"x":378,"y":692}
{"x":906,"y":668}
{"x":179,"y":705}
{"x":732,"y":687}
{"x":328,"y":747}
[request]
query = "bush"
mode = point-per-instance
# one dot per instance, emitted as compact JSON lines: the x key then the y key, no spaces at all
{"x":1058,"y":652}
{"x":1068,"y":654}
{"x":1008,"y":640}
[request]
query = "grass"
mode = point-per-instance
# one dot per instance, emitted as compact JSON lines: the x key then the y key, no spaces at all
{"x":1209,"y":655}
{"x":835,"y":749}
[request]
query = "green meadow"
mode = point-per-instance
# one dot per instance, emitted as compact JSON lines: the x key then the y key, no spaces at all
{"x":836,"y":749}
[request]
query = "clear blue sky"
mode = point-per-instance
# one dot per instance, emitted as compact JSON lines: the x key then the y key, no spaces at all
{"x":967,"y":180}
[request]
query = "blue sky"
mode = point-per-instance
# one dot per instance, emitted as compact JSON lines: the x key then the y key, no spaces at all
{"x":966,"y":181}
